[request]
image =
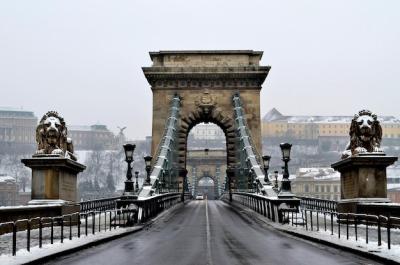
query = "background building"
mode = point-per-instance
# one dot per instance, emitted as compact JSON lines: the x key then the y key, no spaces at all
{"x":8,"y":190}
{"x":320,"y":128}
{"x":94,"y":137}
{"x":206,"y":135}
{"x":17,"y":130}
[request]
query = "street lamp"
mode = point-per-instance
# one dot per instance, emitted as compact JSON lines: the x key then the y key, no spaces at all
{"x":266,"y":159}
{"x":230,"y":173}
{"x":206,"y":150}
{"x":286,"y":190}
{"x":276,"y":188}
{"x":182,"y":173}
{"x":147,"y":161}
{"x":129,"y":149}
{"x":137,"y":181}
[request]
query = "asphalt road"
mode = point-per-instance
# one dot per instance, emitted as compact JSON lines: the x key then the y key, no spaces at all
{"x":210,"y":232}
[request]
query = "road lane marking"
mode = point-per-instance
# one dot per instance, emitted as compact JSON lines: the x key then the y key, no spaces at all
{"x":209,"y":259}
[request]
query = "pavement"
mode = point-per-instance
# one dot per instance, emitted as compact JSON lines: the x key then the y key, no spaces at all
{"x":210,"y":232}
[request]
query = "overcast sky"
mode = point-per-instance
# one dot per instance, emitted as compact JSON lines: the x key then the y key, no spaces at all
{"x":84,"y":58}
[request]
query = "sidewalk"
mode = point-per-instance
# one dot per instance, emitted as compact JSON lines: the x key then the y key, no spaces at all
{"x":371,"y":250}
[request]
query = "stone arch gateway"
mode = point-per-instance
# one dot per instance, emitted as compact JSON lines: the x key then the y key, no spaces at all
{"x":206,"y":82}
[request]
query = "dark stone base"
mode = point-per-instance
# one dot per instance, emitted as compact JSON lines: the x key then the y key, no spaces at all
{"x":352,"y":205}
{"x":54,"y":177}
{"x":364,"y":176}
{"x":386,"y":209}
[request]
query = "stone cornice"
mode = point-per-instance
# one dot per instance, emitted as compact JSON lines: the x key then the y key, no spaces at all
{"x":170,"y":77}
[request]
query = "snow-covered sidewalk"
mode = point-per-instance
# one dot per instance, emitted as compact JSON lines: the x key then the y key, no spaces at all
{"x":69,"y":246}
{"x":93,"y":225}
{"x":360,"y":246}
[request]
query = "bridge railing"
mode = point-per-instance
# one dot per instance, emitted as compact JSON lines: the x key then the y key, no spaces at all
{"x":27,"y":233}
{"x":98,"y":204}
{"x":270,"y":207}
{"x":317,"y":204}
{"x":371,"y":229}
{"x":152,"y":206}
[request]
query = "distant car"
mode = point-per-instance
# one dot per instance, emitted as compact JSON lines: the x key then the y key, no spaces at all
{"x":199,"y":197}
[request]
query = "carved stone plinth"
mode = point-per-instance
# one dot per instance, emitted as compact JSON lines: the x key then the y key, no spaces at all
{"x":54,"y":179}
{"x":363,"y":180}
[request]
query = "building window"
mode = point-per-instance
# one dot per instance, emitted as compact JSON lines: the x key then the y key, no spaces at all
{"x":328,"y":188}
{"x":322,"y":188}
{"x":306,"y":189}
{"x":316,"y":188}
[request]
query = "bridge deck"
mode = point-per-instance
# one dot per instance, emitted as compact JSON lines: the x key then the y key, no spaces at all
{"x":210,"y":232}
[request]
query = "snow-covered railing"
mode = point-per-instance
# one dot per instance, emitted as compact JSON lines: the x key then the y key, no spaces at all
{"x":38,"y":231}
{"x":98,"y":205}
{"x":151,"y":206}
{"x":270,"y":207}
{"x":166,"y":152}
{"x":249,"y":156}
{"x":377,"y":229}
{"x":318,"y":204}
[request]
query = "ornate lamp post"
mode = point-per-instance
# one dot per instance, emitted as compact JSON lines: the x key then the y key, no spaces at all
{"x":137,"y":181}
{"x":206,"y":150}
{"x":230,"y":173}
{"x":266,"y":159}
{"x":276,"y":187}
{"x":286,"y":190}
{"x":129,"y":149}
{"x":183,"y":173}
{"x":147,"y":161}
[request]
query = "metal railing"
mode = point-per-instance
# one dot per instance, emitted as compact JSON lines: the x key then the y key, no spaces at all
{"x":59,"y":228}
{"x":98,"y":205}
{"x":377,"y":228}
{"x":317,"y":204}
{"x":269,"y":207}
{"x":152,"y":206}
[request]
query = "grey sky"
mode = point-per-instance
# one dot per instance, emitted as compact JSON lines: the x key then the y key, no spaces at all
{"x":84,"y":58}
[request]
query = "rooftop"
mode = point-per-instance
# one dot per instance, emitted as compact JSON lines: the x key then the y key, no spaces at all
{"x":96,"y":127}
{"x":15,"y":112}
{"x":276,"y":116}
{"x":5,"y":178}
{"x":318,"y":173}
{"x":206,"y":58}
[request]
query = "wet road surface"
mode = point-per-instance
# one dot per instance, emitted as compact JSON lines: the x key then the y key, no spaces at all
{"x":210,"y":232}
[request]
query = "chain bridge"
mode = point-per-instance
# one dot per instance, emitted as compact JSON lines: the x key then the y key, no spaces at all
{"x":249,"y":221}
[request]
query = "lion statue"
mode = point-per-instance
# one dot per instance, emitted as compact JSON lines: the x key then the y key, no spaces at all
{"x":51,"y":136}
{"x":365,"y":134}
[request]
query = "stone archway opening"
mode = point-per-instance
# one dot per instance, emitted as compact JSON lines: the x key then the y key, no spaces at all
{"x":206,"y":187}
{"x":206,"y":160}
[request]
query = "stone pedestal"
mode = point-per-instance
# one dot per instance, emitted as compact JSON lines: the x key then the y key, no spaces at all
{"x":54,"y":179}
{"x":363,"y":180}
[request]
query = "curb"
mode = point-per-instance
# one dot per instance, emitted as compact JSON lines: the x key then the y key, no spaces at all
{"x":355,"y":251}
